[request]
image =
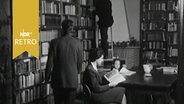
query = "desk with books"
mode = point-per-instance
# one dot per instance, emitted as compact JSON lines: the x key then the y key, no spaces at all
{"x":149,"y":90}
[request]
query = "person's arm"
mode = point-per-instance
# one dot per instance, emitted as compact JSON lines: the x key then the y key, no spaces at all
{"x":80,"y":57}
{"x":49,"y":65}
{"x":97,"y":87}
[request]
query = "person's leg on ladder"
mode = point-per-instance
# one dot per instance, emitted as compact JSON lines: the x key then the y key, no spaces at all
{"x":104,"y":42}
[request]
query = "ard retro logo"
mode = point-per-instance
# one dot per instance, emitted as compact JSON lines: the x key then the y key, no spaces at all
{"x":25,"y":27}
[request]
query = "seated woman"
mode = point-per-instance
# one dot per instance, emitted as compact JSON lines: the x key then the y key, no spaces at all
{"x":116,"y":64}
{"x":107,"y":93}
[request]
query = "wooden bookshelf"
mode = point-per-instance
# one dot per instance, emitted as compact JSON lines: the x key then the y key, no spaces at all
{"x":159,"y":33}
{"x":28,"y":78}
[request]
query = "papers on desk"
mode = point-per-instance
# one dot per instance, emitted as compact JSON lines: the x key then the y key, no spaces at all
{"x":114,"y":76}
{"x":126,"y":72}
{"x":169,"y":70}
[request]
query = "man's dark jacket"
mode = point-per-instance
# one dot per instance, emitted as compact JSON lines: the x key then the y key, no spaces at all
{"x":64,"y":62}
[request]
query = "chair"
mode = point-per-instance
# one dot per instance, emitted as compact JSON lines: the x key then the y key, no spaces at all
{"x":88,"y":95}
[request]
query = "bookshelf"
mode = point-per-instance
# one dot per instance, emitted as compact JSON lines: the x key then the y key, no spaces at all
{"x":29,"y":72}
{"x":158,"y":29}
{"x":172,"y":31}
{"x":86,"y":29}
{"x":28,"y":78}
{"x":50,"y":27}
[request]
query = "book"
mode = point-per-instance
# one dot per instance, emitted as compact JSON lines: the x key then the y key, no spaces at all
{"x":126,"y":72}
{"x":114,"y":77}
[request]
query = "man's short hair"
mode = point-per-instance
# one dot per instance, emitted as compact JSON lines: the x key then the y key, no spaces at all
{"x":66,"y":24}
{"x":95,"y":54}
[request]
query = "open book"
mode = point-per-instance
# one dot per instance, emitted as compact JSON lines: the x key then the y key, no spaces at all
{"x":126,"y":72}
{"x":114,"y":76}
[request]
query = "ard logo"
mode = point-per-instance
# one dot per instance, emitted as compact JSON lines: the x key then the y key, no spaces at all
{"x":25,"y":34}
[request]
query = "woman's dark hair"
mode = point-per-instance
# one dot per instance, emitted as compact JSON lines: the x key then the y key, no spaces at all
{"x":117,"y":59}
{"x":95,"y":53}
{"x":66,"y":24}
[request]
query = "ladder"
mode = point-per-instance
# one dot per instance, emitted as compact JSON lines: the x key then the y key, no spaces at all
{"x":110,"y":41}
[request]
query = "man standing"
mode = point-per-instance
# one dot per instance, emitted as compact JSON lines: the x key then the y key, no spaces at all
{"x":104,"y":13}
{"x":63,"y":65}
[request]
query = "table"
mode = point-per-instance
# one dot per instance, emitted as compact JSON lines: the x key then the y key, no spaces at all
{"x":155,"y":89}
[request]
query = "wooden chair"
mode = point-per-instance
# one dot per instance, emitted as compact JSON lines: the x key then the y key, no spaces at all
{"x":87,"y":95}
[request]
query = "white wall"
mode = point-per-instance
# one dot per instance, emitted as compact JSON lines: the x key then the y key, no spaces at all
{"x":120,"y":27}
{"x":133,"y":14}
{"x":125,"y":26}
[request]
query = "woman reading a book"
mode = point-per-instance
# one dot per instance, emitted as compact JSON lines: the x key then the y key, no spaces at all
{"x":101,"y":93}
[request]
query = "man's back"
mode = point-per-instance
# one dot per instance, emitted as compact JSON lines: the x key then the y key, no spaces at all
{"x":63,"y":65}
{"x":67,"y":61}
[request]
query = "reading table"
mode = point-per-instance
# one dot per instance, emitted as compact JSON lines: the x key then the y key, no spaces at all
{"x":155,"y":89}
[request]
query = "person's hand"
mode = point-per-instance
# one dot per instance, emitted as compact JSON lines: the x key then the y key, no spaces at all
{"x":112,"y":84}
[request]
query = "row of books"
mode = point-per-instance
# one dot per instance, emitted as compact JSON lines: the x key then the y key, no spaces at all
{"x":24,"y":81}
{"x":153,"y":26}
{"x":150,"y":55}
{"x":159,"y":36}
{"x":85,"y":55}
{"x":85,"y":22}
{"x":51,"y":7}
{"x":48,"y":35}
{"x":83,"y":2}
{"x":85,"y":34}
{"x":154,"y":45}
{"x":32,"y":94}
{"x":172,"y":38}
{"x":172,"y":26}
{"x":87,"y":44}
{"x":172,"y":52}
{"x":154,"y":16}
{"x":81,"y":22}
{"x":26,"y":65}
{"x":69,"y":9}
{"x":50,"y":20}
{"x":153,"y":5}
{"x":172,"y":16}
{"x":172,"y":5}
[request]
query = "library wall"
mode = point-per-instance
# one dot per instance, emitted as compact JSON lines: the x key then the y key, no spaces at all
{"x":120,"y":30}
{"x":133,"y":17}
{"x":126,"y":19}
